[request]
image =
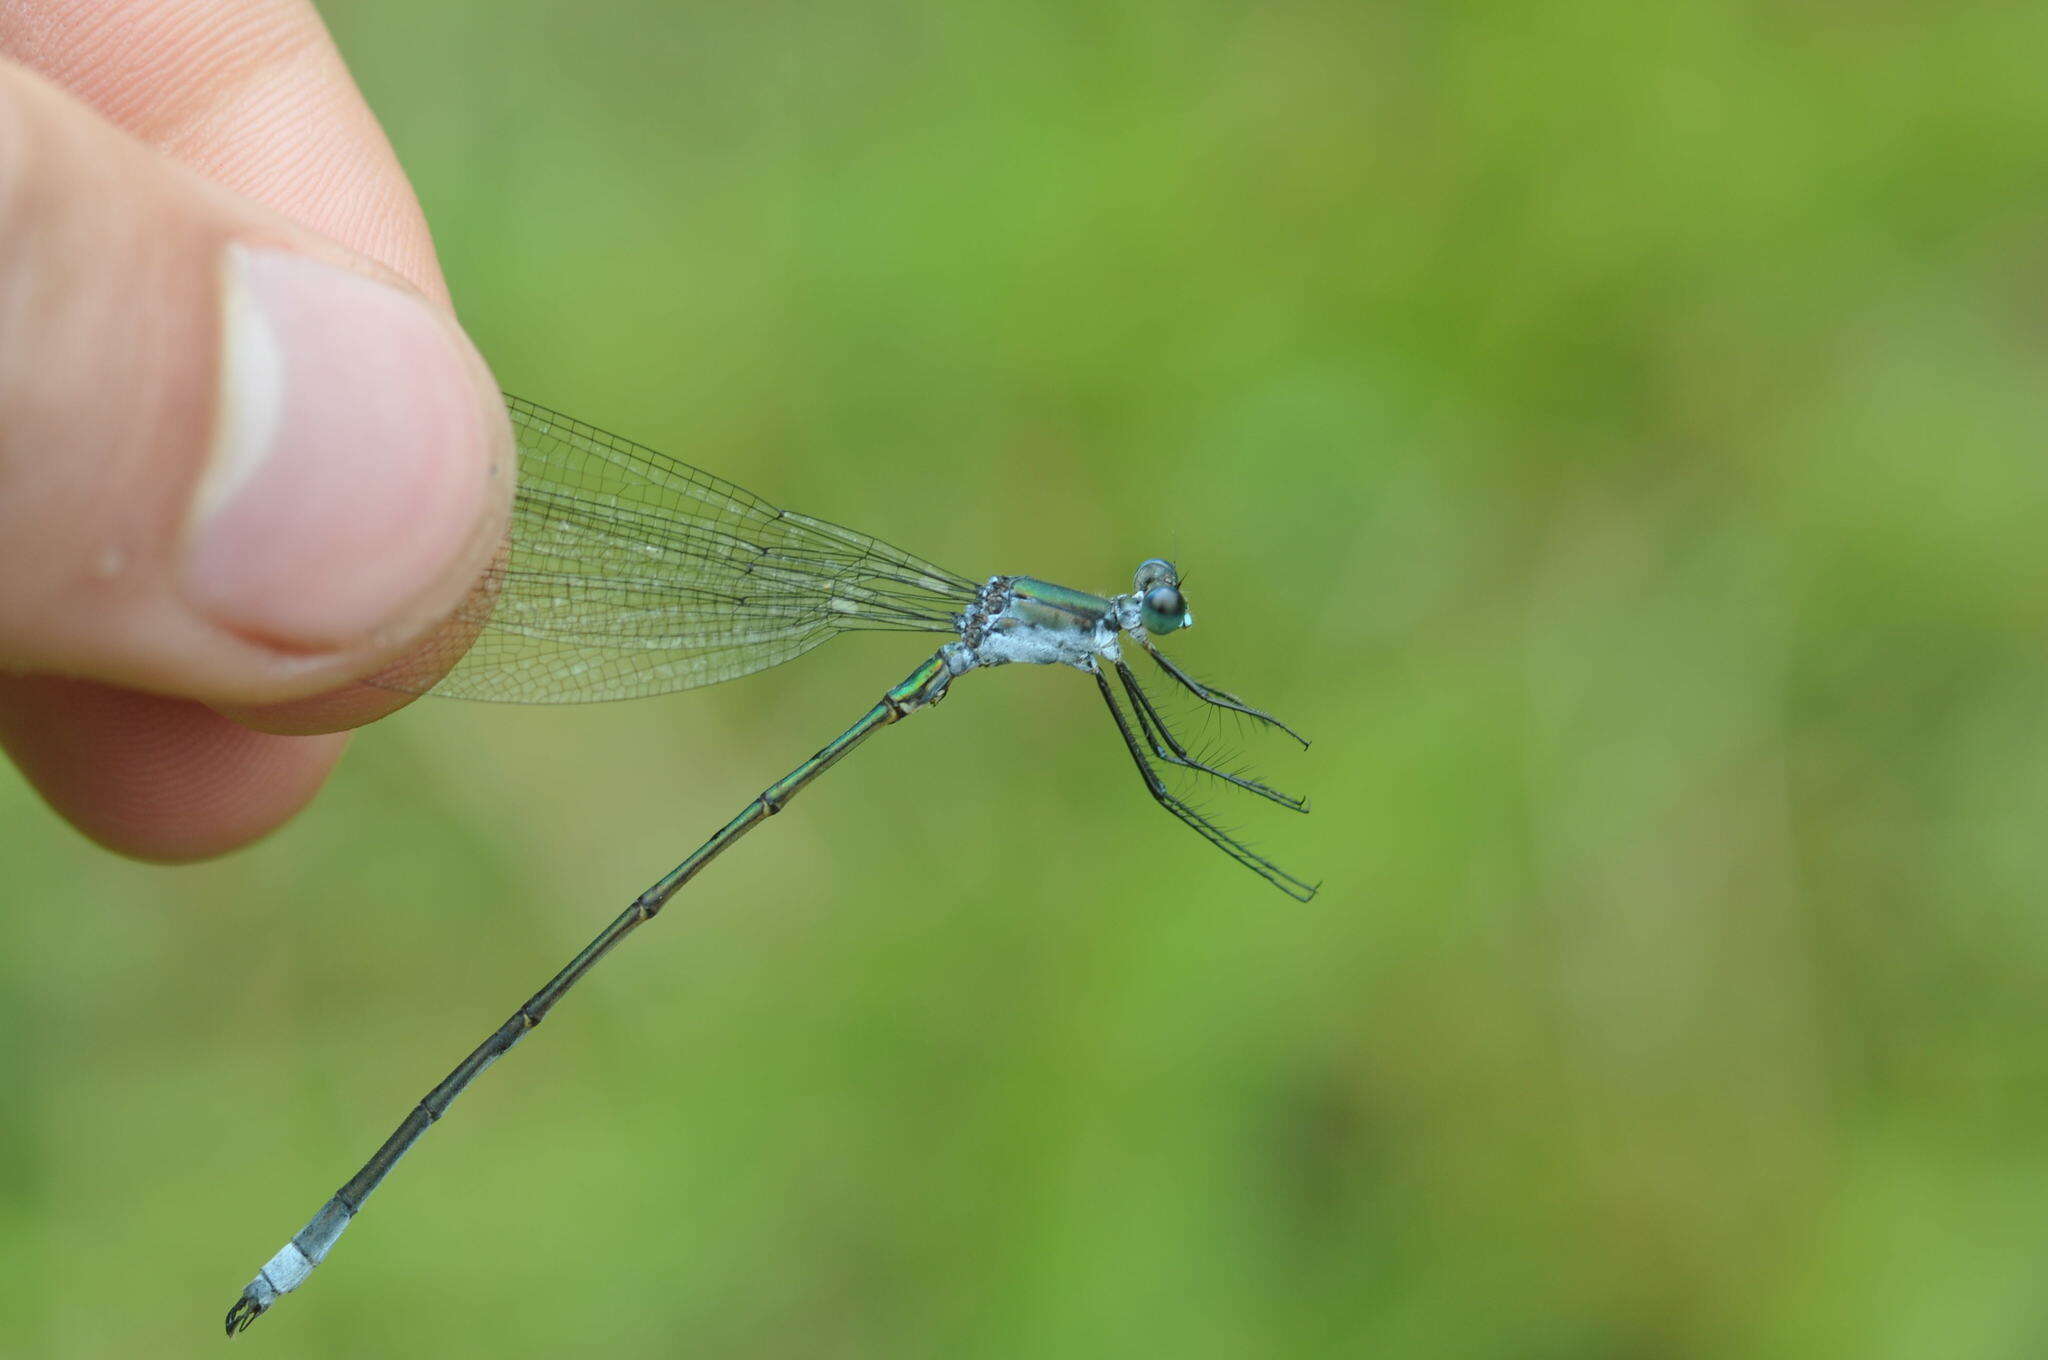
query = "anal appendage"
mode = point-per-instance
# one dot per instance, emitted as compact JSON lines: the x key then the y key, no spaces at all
{"x":287,"y":1270}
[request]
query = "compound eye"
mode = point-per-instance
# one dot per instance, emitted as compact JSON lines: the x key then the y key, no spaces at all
{"x":1164,"y":610}
{"x":1155,"y":571}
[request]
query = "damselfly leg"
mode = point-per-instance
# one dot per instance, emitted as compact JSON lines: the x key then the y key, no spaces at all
{"x":1230,"y":845}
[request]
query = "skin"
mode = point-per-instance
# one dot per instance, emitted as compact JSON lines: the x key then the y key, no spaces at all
{"x":137,"y":138}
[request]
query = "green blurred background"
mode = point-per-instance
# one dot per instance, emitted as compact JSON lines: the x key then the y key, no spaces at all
{"x":1615,"y":432}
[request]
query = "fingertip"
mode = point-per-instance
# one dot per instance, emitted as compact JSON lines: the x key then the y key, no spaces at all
{"x":387,"y":689}
{"x":156,"y":779}
{"x":240,"y":465}
{"x":335,"y":711}
{"x":355,"y":482}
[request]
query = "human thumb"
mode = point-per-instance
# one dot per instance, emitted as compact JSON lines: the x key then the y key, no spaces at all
{"x":237,"y":463}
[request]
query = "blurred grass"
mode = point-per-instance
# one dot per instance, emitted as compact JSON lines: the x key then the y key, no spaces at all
{"x":1614,"y":432}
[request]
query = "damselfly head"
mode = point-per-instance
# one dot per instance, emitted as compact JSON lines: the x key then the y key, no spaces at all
{"x":1161,"y":606}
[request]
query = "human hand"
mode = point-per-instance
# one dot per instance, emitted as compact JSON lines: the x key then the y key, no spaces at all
{"x":246,"y":453}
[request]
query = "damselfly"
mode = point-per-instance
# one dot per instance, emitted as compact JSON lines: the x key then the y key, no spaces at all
{"x":627,"y":573}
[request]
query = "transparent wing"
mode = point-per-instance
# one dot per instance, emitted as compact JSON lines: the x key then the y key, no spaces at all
{"x":627,"y":573}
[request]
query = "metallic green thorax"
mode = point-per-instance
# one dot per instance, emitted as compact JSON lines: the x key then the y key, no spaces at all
{"x":1043,"y":604}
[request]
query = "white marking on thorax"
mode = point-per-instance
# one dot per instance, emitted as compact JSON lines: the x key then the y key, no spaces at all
{"x":1027,"y":644}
